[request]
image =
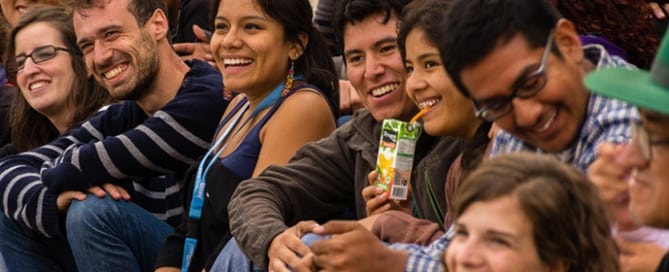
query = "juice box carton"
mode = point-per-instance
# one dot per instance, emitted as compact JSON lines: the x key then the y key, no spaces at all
{"x":395,"y":157}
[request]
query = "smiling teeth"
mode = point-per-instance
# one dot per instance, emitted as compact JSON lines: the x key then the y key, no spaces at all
{"x":384,"y":89}
{"x":236,"y":61}
{"x":548,"y":123}
{"x":114,"y":72}
{"x":428,"y":103}
{"x":37,"y":85}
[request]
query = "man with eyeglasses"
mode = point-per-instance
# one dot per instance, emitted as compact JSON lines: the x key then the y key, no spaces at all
{"x":642,"y":166}
{"x":523,"y":66}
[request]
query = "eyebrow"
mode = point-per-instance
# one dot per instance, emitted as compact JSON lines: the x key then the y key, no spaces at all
{"x":250,"y":17}
{"x":100,"y":32}
{"x":427,"y":55}
{"x":376,"y":44}
{"x":523,"y":75}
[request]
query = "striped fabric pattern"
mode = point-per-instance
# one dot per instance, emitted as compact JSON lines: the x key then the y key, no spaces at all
{"x":121,"y":145}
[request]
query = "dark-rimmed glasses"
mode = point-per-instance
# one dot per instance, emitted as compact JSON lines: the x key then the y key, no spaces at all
{"x":641,"y":136}
{"x":527,"y":87}
{"x":39,"y":55}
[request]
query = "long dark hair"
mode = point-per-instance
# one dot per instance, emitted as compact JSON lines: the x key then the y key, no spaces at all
{"x":316,"y":62}
{"x":30,"y":128}
{"x":568,"y":217}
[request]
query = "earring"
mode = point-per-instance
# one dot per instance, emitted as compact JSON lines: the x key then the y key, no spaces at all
{"x":289,"y":79}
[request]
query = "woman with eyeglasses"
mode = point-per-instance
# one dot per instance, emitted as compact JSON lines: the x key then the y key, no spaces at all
{"x":56,"y":91}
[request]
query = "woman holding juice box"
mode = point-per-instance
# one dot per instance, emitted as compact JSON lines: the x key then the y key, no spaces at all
{"x":444,"y":111}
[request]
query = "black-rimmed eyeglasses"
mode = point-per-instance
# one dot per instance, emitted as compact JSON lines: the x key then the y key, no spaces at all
{"x":39,"y":55}
{"x":527,"y":87}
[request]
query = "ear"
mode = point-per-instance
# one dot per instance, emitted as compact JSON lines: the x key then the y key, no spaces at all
{"x":567,"y":40}
{"x":158,"y":25}
{"x":297,"y":47}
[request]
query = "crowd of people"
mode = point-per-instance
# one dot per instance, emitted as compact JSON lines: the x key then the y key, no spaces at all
{"x":242,"y":135}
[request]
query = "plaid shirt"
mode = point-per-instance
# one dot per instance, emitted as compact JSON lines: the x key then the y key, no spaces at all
{"x":607,"y":120}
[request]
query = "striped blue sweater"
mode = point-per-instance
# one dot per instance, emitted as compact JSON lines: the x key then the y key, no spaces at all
{"x":119,"y":145}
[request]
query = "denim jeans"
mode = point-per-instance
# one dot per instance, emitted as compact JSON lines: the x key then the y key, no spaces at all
{"x":3,"y":267}
{"x":109,"y":235}
{"x":26,"y":250}
{"x":231,"y":258}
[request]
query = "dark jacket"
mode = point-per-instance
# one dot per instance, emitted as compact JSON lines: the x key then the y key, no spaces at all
{"x":325,"y":178}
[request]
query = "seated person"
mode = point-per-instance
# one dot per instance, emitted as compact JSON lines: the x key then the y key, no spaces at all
{"x":528,"y":212}
{"x":633,"y":177}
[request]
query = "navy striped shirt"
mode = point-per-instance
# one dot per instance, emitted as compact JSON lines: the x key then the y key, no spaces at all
{"x":118,"y":145}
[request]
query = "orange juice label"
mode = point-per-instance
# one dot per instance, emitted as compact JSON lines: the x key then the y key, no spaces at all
{"x":395,"y":157}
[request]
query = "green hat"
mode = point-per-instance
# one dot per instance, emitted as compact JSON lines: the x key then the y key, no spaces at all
{"x":648,"y":90}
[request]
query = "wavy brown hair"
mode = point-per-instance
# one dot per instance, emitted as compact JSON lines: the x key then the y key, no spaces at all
{"x":568,"y":217}
{"x":31,"y":129}
{"x":623,"y":22}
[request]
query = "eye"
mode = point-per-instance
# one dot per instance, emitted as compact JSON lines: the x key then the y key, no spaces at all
{"x":530,"y":84}
{"x":388,"y":48}
{"x":111,"y":34}
{"x":222,"y":27}
{"x":499,"y":242}
{"x":354,"y":59}
{"x":430,"y":64}
{"x":252,"y":27}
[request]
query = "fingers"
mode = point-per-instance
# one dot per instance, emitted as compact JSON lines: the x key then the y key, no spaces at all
{"x":116,"y":192}
{"x":64,"y":199}
{"x":657,"y":10}
{"x":97,"y":191}
{"x":201,"y":34}
{"x":336,"y":227}
{"x":276,"y":265}
{"x":185,"y":48}
{"x":371,"y":191}
{"x":304,"y":227}
{"x":372,"y":177}
{"x":306,"y":264}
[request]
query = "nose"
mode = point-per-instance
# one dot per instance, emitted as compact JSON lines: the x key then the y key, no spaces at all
{"x":467,"y":255}
{"x":373,"y":67}
{"x":527,"y":112}
{"x":632,"y":155}
{"x":414,"y":84}
{"x":30,"y":67}
{"x":231,"y":39}
{"x":101,"y":54}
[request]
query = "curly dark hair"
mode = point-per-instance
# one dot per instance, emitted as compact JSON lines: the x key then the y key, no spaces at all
{"x":623,"y":22}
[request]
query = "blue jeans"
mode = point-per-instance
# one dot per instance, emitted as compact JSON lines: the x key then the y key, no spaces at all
{"x":231,"y":258}
{"x":109,"y":235}
{"x":26,"y":250}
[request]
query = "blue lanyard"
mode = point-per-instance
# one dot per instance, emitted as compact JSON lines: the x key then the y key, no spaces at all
{"x":197,"y":201}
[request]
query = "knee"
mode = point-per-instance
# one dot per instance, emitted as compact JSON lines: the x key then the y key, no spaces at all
{"x":89,"y":212}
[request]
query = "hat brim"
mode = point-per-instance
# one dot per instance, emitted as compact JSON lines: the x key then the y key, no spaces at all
{"x":633,"y":86}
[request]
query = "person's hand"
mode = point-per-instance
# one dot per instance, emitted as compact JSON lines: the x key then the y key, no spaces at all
{"x":196,"y":50}
{"x":368,"y":222}
{"x":660,"y":11}
{"x":349,"y":100}
{"x":610,"y":174}
{"x":640,"y":256}
{"x":114,"y":191}
{"x":287,"y":247}
{"x":352,"y":248}
{"x":376,"y":199}
{"x":64,"y":200}
{"x":167,"y":269}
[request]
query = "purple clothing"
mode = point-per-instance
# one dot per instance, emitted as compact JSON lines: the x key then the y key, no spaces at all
{"x":610,"y":47}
